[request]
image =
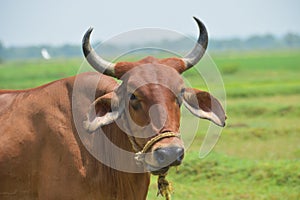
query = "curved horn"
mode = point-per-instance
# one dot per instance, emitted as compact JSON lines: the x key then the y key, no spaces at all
{"x":193,"y":57}
{"x":96,"y":61}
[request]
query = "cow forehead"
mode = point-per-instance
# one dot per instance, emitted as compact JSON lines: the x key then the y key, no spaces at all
{"x":153,"y":74}
{"x":122,"y":68}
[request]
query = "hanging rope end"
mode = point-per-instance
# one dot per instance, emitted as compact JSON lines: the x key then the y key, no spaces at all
{"x":165,"y":188}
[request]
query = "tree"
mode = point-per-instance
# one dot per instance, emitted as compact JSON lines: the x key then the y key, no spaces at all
{"x":292,"y":40}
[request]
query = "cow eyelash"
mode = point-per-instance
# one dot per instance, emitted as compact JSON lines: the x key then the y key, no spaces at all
{"x":134,"y":102}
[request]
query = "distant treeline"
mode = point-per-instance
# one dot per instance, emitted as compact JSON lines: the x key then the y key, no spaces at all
{"x":182,"y":45}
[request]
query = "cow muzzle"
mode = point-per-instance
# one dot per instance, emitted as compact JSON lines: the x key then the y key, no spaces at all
{"x":160,"y":159}
{"x":163,"y":158}
{"x":171,"y":156}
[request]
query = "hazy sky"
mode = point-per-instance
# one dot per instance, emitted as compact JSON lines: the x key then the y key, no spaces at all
{"x":26,"y":22}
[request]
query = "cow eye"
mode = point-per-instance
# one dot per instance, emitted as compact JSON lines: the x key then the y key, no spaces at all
{"x":134,"y":102}
{"x":132,"y":97}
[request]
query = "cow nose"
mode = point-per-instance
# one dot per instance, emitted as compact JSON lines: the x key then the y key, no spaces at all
{"x":169,"y":156}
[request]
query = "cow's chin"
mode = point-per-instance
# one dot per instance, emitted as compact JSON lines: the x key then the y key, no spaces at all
{"x":157,"y":170}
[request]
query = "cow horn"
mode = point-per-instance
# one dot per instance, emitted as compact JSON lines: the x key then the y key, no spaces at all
{"x":193,"y":57}
{"x":96,"y":61}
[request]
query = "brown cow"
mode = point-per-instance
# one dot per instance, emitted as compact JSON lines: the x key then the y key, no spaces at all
{"x":52,"y":137}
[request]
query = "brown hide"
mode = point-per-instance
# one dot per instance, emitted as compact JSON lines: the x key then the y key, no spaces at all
{"x":42,"y":156}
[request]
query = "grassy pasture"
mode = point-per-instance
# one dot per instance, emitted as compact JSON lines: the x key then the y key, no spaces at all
{"x":258,"y":153}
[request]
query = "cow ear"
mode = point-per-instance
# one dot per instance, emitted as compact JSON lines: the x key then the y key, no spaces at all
{"x":102,"y":105}
{"x":100,"y":112}
{"x":204,"y":105}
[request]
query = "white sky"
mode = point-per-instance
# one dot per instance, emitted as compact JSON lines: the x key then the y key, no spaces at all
{"x":56,"y":22}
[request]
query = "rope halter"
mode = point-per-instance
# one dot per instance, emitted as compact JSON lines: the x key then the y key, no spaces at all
{"x":139,"y":156}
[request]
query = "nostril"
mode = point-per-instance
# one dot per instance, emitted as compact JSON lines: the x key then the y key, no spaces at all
{"x":180,"y":154}
{"x":180,"y":151}
{"x":160,"y":155}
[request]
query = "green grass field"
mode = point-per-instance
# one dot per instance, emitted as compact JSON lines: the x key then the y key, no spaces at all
{"x":258,"y":153}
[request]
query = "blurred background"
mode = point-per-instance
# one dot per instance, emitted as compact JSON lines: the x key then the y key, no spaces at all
{"x":28,"y":27}
{"x":255,"y":45}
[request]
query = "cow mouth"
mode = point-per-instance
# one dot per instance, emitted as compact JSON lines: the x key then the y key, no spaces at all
{"x":157,"y":170}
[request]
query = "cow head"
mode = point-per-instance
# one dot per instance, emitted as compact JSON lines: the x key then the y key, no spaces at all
{"x":147,"y":102}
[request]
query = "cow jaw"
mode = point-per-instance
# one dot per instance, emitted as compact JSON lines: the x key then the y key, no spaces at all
{"x":157,"y":170}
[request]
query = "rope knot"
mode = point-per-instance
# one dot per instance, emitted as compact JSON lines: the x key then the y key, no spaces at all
{"x":164,"y":187}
